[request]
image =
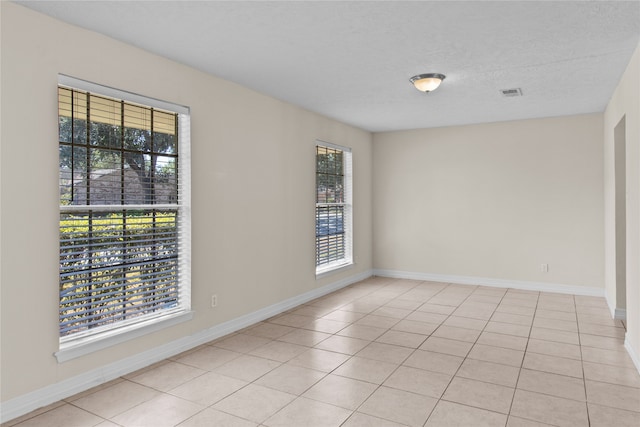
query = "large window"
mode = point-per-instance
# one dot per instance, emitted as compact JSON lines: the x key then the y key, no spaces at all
{"x":333,"y":207}
{"x":124,"y":213}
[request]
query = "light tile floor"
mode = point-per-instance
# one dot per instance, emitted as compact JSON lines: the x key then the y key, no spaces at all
{"x":387,"y":352}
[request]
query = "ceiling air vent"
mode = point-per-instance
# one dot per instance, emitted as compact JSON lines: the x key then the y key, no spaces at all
{"x":511,"y":92}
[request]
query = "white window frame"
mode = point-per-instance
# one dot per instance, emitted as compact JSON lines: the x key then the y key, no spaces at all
{"x":347,"y":260}
{"x":75,"y":346}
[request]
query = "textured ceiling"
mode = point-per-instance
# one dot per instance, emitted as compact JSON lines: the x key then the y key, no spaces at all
{"x":352,"y":60}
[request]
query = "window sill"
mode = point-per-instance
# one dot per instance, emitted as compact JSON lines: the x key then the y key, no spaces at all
{"x":333,"y":268}
{"x":84,"y":346}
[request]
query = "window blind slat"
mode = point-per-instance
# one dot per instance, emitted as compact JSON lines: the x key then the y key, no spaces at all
{"x":101,"y":270}
{"x":136,"y":314}
{"x":168,"y":292}
{"x":111,"y":305}
{"x":119,"y":284}
{"x":130,"y":249}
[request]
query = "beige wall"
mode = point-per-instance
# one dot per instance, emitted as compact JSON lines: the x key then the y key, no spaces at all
{"x":625,"y":102}
{"x":252,"y":198}
{"x":492,"y":201}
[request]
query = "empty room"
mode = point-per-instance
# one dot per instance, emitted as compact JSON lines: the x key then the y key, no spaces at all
{"x":320,"y":213}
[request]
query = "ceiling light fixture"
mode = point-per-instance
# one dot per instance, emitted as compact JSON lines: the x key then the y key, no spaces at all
{"x":427,"y":82}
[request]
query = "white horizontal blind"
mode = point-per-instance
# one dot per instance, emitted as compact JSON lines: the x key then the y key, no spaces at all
{"x":333,"y":206}
{"x":124,"y":218}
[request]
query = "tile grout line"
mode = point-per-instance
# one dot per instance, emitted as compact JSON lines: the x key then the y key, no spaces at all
{"x":524,"y":354}
{"x":351,"y":356}
{"x":379,"y":386}
{"x":464,"y":358}
{"x":584,"y":378}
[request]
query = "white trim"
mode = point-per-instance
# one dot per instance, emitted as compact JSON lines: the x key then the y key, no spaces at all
{"x":83,"y":346}
{"x":184,"y":212}
{"x":612,"y":307}
{"x":498,"y":283}
{"x":322,"y":143}
{"x":616,"y":313}
{"x":632,"y":353}
{"x":76,"y":83}
{"x":329,"y":269}
{"x":26,"y":403}
{"x":620,"y":314}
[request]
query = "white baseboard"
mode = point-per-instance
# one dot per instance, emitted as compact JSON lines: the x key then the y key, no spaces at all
{"x":616,"y":313}
{"x":498,"y":283}
{"x":620,"y":313}
{"x":611,"y":305}
{"x":632,"y":353}
{"x":26,"y":403}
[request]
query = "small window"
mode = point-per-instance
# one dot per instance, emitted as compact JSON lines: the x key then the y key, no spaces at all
{"x":124,"y":212}
{"x":333,"y":207}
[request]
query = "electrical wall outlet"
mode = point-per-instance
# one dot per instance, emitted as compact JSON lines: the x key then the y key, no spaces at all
{"x":544,"y":268}
{"x":214,"y":300}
